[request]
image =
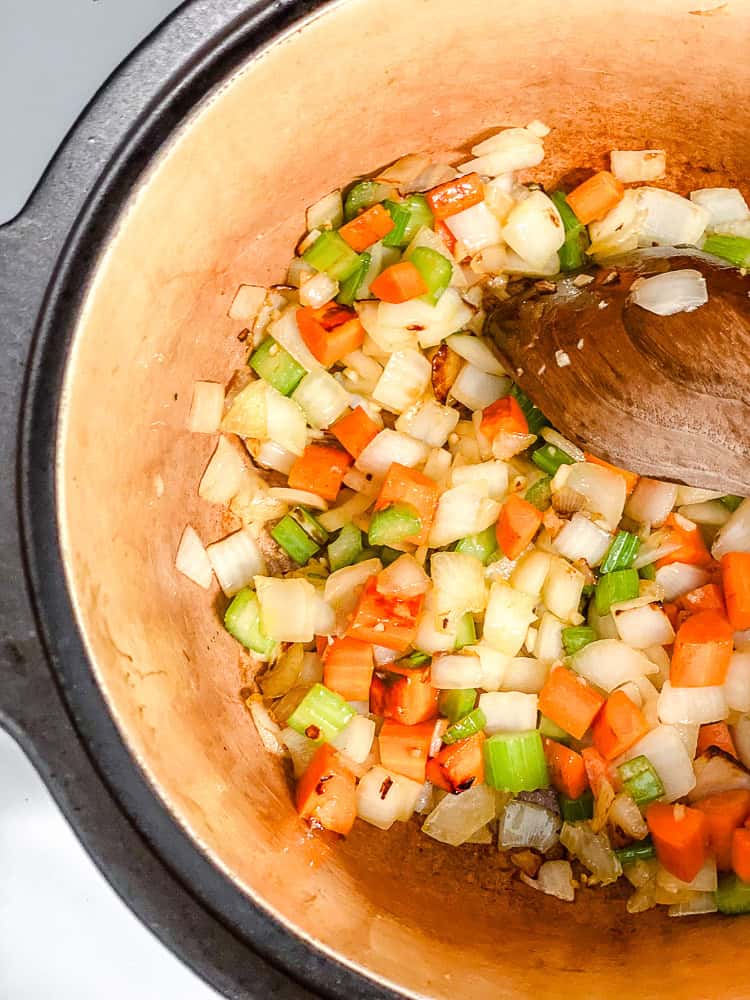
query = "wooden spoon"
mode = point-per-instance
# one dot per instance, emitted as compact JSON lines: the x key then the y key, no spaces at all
{"x":664,"y":396}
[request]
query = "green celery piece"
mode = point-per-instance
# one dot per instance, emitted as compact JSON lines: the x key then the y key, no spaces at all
{"x":466,"y":633}
{"x":242,"y":620}
{"x":436,"y":271}
{"x":641,"y":781}
{"x":549,"y":458}
{"x":389,"y":555}
{"x":483,"y":545}
{"x":731,"y":502}
{"x":321,"y":714}
{"x":622,"y":585}
{"x":344,"y":550}
{"x":473,"y":722}
{"x":515,"y":762}
{"x":642,"y":850}
{"x":551,"y":730}
{"x":621,"y":553}
{"x":349,"y":288}
{"x":393,"y":524}
{"x":574,"y":810}
{"x":294,"y":540}
{"x":415,"y":659}
{"x":454,"y":705}
{"x":309,"y":524}
{"x":534,"y":416}
{"x":572,"y":253}
{"x":647,"y":572}
{"x":366,"y":554}
{"x":364,"y":194}
{"x":735,"y":249}
{"x":408,"y":216}
{"x":539,"y":493}
{"x":733,"y":895}
{"x":276,"y":366}
{"x":332,"y":254}
{"x":576,"y":637}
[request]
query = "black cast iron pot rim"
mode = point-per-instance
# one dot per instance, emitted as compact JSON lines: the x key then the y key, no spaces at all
{"x":253,"y":31}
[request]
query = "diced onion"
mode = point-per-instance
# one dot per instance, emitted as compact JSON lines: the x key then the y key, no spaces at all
{"x":525,"y":824}
{"x":651,"y":501}
{"x":508,"y":616}
{"x":459,"y":583}
{"x":666,"y":751}
{"x":519,"y":673}
{"x":478,"y":351}
{"x":604,"y":491}
{"x":548,"y":644}
{"x":303,"y":497}
{"x":643,"y":627}
{"x":321,"y":398}
{"x":287,"y":608}
{"x":462,"y":510}
{"x":268,"y":730}
{"x":530,"y":572}
{"x":301,"y":750}
{"x":509,"y":150}
{"x":670,"y":219}
{"x":431,"y":324}
{"x":272,"y":456}
{"x":286,"y":332}
{"x":192,"y":560}
{"x":741,"y":736}
{"x":352,"y":507}
{"x":625,"y":814}
{"x":476,"y":227}
{"x":384,"y":797}
{"x":342,"y":588}
{"x":493,"y":473}
{"x":554,"y":878}
{"x":580,"y":538}
{"x":688,"y":733}
{"x":206,"y":408}
{"x":476,"y":389}
{"x":388,"y":447}
{"x":247,"y":302}
{"x":435,"y":633}
{"x":224,"y":473}
{"x":534,"y":229}
{"x":679,"y":578}
{"x":710,"y":512}
{"x":618,"y":231}
{"x":430,"y":422}
{"x":458,"y":817}
{"x":697,"y":705}
{"x":698,"y":903}
{"x":298,"y":271}
{"x":326,"y":213}
{"x":692,"y":494}
{"x":508,"y":711}
{"x":683,"y":290}
{"x":404,"y":380}
{"x":630,"y":165}
{"x":318,"y":290}
{"x":608,"y":663}
{"x":405,"y":577}
{"x":356,"y":738}
{"x":705,"y":881}
{"x":734,"y":536}
{"x":236,"y":559}
{"x":456,"y":671}
{"x":438,"y":465}
{"x":722,"y":204}
{"x":552,"y":437}
{"x":562,"y":590}
{"x":737,"y":683}
{"x":593,"y":850}
{"x":259,"y":411}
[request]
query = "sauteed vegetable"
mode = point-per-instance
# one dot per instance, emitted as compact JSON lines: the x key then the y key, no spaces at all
{"x":458,"y":617}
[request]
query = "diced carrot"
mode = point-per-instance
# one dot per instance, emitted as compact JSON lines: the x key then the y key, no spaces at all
{"x":399,"y":283}
{"x":566,"y":769}
{"x":455,"y":196}
{"x":706,"y":598}
{"x":674,"y":614}
{"x":347,"y":668}
{"x":504,"y":415}
{"x":692,"y":548}
{"x":618,"y":726}
{"x":741,"y":854}
{"x":702,"y":651}
{"x":322,"y":642}
{"x":407,"y":486}
{"x":355,"y":430}
{"x":330,"y":332}
{"x":715,"y":734}
{"x":408,"y":698}
{"x":735,"y":576}
{"x":326,"y":792}
{"x":369,"y":227}
{"x":595,"y":197}
{"x":569,"y":701}
{"x":680,"y":835}
{"x":724,"y":812}
{"x":404,"y":749}
{"x":459,"y":766}
{"x":519,"y":521}
{"x":631,"y":478}
{"x":598,"y":770}
{"x":445,"y":234}
{"x":320,"y":469}
{"x":384,"y":621}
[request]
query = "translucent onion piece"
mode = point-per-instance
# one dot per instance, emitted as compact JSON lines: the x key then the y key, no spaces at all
{"x":318,"y":290}
{"x":521,"y":673}
{"x":625,"y":814}
{"x":384,"y":797}
{"x":679,"y":578}
{"x":534,"y":229}
{"x":734,"y":536}
{"x":301,"y":750}
{"x":699,"y":903}
{"x":236,"y":559}
{"x":456,"y":672}
{"x":737,"y":684}
{"x":321,"y":398}
{"x":476,"y":227}
{"x":670,"y":219}
{"x":722,"y":204}
{"x":388,"y":447}
{"x":406,"y":578}
{"x":530,"y":572}
{"x":430,"y":422}
{"x":356,"y":738}
{"x":651,"y":501}
{"x":630,"y":165}
{"x":458,"y":817}
{"x":326,"y":212}
{"x":508,"y":616}
{"x":478,"y":351}
{"x":287,"y":608}
{"x":192,"y":560}
{"x":268,"y":730}
{"x":643,"y":627}
{"x":692,"y":705}
{"x":462,"y":510}
{"x":404,"y":380}
{"x":508,"y":711}
{"x":604,"y":491}
{"x":555,"y":878}
{"x":524,"y":824}
{"x":665,"y":749}
{"x":593,"y":850}
{"x":459,"y":583}
{"x":206,"y":408}
{"x":580,"y":538}
{"x":303,"y":497}
{"x":562,"y":590}
{"x":608,"y":663}
{"x":247,"y":302}
{"x":705,"y":881}
{"x":494,"y":474}
{"x":683,"y":290}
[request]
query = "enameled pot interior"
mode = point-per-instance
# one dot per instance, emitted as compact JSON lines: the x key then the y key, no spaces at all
{"x":361,"y":83}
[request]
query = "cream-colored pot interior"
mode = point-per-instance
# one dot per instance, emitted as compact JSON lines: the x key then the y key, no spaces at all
{"x":362,"y":83}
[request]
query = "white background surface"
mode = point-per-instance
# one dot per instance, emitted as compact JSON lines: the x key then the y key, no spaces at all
{"x":64,"y":933}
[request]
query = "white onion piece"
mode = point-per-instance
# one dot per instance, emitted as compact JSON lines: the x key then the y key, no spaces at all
{"x":525,"y":673}
{"x":383,"y":797}
{"x":508,"y":711}
{"x":651,"y":501}
{"x":192,"y":560}
{"x":625,"y":814}
{"x":430,"y":422}
{"x":435,"y":633}
{"x":698,"y":903}
{"x":311,"y":671}
{"x":618,"y":231}
{"x":224,"y":474}
{"x":512,"y":263}
{"x":259,"y":411}
{"x":273,"y":456}
{"x":286,"y":332}
{"x":509,"y":150}
{"x":593,"y":850}
{"x":476,"y":227}
{"x":336,"y":518}
{"x":321,"y":398}
{"x":666,"y":751}
{"x":705,"y":881}
{"x":494,"y":474}
{"x":548,"y":643}
{"x":493,"y":665}
{"x":659,"y":543}
{"x":630,"y":165}
{"x":424,"y":803}
{"x":326,"y":213}
{"x":696,"y":705}
{"x":430,"y":324}
{"x":710,"y":512}
{"x":525,"y":824}
{"x":552,"y":437}
{"x":722,"y":204}
{"x":288,"y":608}
{"x":683,"y":290}
{"x":356,"y":738}
{"x":438,"y":465}
{"x":343,"y":587}
{"x":462,"y":510}
{"x":580,"y":538}
{"x":734,"y":536}
{"x":530,"y":572}
{"x":298,"y":271}
{"x":483,"y":835}
{"x":670,"y":219}
{"x":508,"y":616}
{"x":405,"y":577}
{"x":679,"y":578}
{"x":301,"y":750}
{"x":324,"y":616}
{"x":741,"y":737}
{"x":458,"y":817}
{"x":688,"y":733}
{"x":236,"y":559}
{"x":389,"y":447}
{"x":268,"y":729}
{"x":478,"y":351}
{"x":554,"y":878}
{"x":737,"y":684}
{"x":604,"y":491}
{"x":534,"y":229}
{"x":459,"y":583}
{"x":455,"y":672}
{"x":643,"y":627}
{"x":247,"y":302}
{"x":608,"y":663}
{"x":692,"y":494}
{"x":476,"y":389}
{"x":562,"y":590}
{"x":404,"y":380}
{"x":304,"y":497}
{"x":318,"y":290}
{"x":206,"y":408}
{"x":367,"y":368}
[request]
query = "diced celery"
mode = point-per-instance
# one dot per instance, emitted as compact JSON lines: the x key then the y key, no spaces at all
{"x":344,"y":550}
{"x":349,"y":288}
{"x":332,"y":254}
{"x":576,"y":637}
{"x":242,"y":620}
{"x":393,"y":524}
{"x":735,"y":249}
{"x":454,"y":705}
{"x":622,"y":585}
{"x":473,"y":722}
{"x":549,"y":458}
{"x":621,"y":553}
{"x":534,"y":416}
{"x":640,"y":781}
{"x":515,"y":762}
{"x":294,"y":540}
{"x":364,"y":194}
{"x":539,"y":494}
{"x":482,"y":545}
{"x":572,"y":253}
{"x":389,"y":555}
{"x":731,"y":502}
{"x":436,"y":271}
{"x":466,"y":633}
{"x":415,"y":659}
{"x":366,"y":554}
{"x":642,"y":850}
{"x":408,"y":217}
{"x":573,"y":810}
{"x":321,"y":714}
{"x":551,"y":729}
{"x":277,"y":366}
{"x":647,"y":572}
{"x":309,"y":524}
{"x":733,"y":895}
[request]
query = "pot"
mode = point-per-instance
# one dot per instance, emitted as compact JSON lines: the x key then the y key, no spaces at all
{"x":208,"y":190}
